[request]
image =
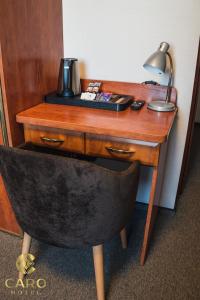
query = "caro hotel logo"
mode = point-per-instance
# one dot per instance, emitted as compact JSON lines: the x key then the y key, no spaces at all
{"x":25,"y":286}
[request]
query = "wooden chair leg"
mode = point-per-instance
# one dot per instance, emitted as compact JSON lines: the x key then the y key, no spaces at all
{"x":99,"y":271}
{"x":123,"y":238}
{"x":25,"y":249}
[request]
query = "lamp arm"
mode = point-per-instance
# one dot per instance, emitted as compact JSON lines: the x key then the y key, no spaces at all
{"x":169,"y":87}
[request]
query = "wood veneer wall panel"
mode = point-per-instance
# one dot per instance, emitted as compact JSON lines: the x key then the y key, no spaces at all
{"x":7,"y":218}
{"x":30,"y":49}
{"x":1,"y":137}
{"x":31,"y":45}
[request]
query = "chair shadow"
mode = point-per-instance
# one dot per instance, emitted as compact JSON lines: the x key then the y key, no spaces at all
{"x":77,"y":264}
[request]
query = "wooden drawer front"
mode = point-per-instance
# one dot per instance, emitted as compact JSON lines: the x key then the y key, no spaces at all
{"x":55,"y":138}
{"x":122,"y":149}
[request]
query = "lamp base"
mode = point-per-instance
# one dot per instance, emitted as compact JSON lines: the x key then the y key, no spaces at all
{"x":161,"y":106}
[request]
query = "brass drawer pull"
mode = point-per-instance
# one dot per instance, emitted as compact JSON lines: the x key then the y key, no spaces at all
{"x":119,"y":151}
{"x":50,"y":140}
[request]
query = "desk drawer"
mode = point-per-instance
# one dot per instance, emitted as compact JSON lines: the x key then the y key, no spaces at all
{"x":120,"y":148}
{"x":55,"y":138}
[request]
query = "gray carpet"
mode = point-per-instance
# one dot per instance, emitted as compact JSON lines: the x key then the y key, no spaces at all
{"x":172,"y":270}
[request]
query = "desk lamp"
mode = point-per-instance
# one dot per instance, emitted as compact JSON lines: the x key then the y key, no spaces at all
{"x":156,"y":64}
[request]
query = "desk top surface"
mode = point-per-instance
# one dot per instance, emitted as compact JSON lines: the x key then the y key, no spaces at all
{"x":145,"y":124}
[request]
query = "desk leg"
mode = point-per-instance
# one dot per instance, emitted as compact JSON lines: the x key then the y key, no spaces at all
{"x":156,"y":185}
{"x":151,"y":215}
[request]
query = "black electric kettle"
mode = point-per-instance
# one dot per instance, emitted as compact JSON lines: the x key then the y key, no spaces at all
{"x":69,"y":79}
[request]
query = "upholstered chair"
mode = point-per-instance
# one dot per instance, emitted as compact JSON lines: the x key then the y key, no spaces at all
{"x":69,"y":202}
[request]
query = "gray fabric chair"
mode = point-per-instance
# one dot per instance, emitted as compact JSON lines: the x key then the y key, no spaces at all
{"x":69,"y":202}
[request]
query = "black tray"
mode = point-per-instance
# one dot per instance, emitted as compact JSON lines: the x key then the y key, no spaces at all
{"x":76,"y":101}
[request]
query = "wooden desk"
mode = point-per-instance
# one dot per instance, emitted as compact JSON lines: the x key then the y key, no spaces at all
{"x":128,"y":135}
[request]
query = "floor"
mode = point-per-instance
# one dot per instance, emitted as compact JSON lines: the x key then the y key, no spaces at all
{"x":172,"y":270}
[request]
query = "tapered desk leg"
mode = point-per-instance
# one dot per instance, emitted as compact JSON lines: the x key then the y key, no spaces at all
{"x":151,"y":214}
{"x":156,"y":186}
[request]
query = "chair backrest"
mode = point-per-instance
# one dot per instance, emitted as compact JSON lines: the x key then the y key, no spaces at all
{"x":64,"y":201}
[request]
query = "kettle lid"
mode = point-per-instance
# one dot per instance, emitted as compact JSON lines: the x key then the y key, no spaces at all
{"x":69,"y":59}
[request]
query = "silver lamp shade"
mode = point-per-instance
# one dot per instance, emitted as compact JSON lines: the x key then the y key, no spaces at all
{"x":156,"y":64}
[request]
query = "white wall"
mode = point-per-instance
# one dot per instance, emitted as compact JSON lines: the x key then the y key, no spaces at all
{"x":113,"y":38}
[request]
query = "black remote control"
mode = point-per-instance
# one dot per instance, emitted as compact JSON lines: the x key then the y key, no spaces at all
{"x":137,"y":104}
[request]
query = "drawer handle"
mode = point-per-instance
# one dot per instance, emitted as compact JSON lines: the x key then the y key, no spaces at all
{"x":119,"y":151}
{"x":50,"y":140}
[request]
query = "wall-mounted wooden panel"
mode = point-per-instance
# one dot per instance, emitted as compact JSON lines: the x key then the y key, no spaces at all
{"x":7,"y":218}
{"x":1,"y":137}
{"x":31,"y":46}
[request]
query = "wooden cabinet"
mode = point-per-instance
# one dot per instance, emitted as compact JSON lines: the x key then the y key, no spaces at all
{"x":31,"y":46}
{"x":7,"y":218}
{"x":1,"y":137}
